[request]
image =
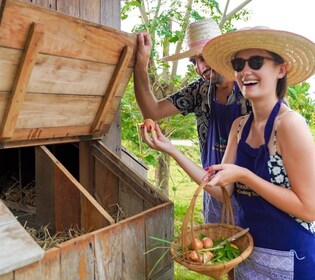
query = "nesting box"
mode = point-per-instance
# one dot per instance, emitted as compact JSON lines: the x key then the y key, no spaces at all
{"x":61,"y":83}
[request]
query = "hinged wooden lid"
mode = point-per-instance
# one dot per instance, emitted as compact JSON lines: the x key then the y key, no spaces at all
{"x":61,"y":78}
{"x":17,"y":247}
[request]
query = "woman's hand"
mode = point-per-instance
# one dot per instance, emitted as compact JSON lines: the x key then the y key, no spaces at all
{"x":223,"y":174}
{"x":158,"y":141}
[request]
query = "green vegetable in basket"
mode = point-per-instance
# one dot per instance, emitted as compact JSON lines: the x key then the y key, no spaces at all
{"x":226,"y":253}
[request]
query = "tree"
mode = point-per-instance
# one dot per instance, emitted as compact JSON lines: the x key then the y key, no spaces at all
{"x":166,"y":21}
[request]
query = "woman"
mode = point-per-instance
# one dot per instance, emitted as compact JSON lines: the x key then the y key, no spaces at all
{"x":270,"y":153}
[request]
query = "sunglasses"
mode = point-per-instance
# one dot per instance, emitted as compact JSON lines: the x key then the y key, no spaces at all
{"x":255,"y":62}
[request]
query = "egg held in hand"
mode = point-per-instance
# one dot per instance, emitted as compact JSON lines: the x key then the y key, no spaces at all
{"x":149,"y":124}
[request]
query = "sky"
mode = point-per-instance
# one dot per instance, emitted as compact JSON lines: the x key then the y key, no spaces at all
{"x":295,"y":16}
{"x":290,"y":15}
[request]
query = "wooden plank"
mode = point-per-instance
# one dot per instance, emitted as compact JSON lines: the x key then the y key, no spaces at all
{"x":60,"y":75}
{"x":50,"y":264}
{"x":77,"y":185}
{"x":110,"y":93}
{"x":128,"y":176}
{"x":44,"y":188}
{"x":110,"y":16}
{"x":77,"y":258}
{"x":50,"y":4}
{"x":110,"y":13}
{"x":10,"y":275}
{"x":132,"y":243}
{"x":90,"y":10}
{"x":106,"y":187}
{"x":13,"y":240}
{"x":70,"y":7}
{"x":65,"y":36}
{"x":67,"y":200}
{"x":28,"y":61}
{"x":90,"y":217}
{"x":46,"y":140}
{"x":31,"y":271}
{"x":130,"y":201}
{"x":159,"y":222}
{"x":109,"y":256}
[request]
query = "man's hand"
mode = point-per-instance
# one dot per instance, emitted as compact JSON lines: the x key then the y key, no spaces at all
{"x":144,"y":48}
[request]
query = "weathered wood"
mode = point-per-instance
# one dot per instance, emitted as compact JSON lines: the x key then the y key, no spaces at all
{"x":67,"y":200}
{"x":7,"y":276}
{"x":14,"y":239}
{"x":89,"y":214}
{"x":112,"y":88}
{"x":77,"y":82}
{"x":70,"y":7}
{"x":50,"y":4}
{"x":90,"y":10}
{"x":121,"y":170}
{"x":24,"y":72}
{"x":50,"y":265}
{"x":31,"y":271}
{"x":158,"y":224}
{"x":109,"y":253}
{"x":107,"y":187}
{"x":110,"y":16}
{"x":59,"y":75}
{"x":64,"y":35}
{"x":71,"y":182}
{"x":77,"y":258}
{"x":126,"y":195}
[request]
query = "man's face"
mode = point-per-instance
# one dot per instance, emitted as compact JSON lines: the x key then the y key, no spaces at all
{"x":204,"y":70}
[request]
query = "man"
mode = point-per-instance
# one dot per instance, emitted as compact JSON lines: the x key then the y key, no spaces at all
{"x":215,"y":100}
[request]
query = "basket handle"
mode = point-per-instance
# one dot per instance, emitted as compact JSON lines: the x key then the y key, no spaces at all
{"x":227,"y":217}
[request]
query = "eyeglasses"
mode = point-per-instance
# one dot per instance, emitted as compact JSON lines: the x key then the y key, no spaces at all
{"x":255,"y":62}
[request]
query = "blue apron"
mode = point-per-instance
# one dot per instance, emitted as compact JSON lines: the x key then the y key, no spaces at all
{"x":220,"y":122}
{"x":284,"y":249}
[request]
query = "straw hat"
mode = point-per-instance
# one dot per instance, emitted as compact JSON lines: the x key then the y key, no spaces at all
{"x":197,"y":35}
{"x":297,"y":51}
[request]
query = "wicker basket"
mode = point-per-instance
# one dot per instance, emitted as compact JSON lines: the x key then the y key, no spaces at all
{"x":226,"y":228}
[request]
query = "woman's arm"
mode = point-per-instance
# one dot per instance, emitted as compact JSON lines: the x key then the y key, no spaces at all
{"x":159,"y":142}
{"x":296,"y":144}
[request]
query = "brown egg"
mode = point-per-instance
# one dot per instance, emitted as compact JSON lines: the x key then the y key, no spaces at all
{"x":207,"y":242}
{"x":198,"y":246}
{"x":150,"y":124}
{"x":193,"y":256}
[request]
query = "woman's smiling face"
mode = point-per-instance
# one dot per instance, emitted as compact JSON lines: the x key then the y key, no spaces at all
{"x":259,"y":74}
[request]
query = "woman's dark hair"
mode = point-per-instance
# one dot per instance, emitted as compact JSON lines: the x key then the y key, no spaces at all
{"x":282,"y":84}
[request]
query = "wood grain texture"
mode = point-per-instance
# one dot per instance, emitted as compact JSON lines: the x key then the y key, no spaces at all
{"x":24,"y":71}
{"x":13,"y":240}
{"x":64,"y":35}
{"x":77,"y":81}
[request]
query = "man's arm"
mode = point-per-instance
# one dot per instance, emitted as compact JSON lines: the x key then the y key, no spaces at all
{"x":150,"y":107}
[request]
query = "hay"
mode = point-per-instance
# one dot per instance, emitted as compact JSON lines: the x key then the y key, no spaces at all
{"x":23,"y":199}
{"x":44,"y":239}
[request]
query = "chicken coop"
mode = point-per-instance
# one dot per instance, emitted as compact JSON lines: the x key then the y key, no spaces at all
{"x":64,"y":67}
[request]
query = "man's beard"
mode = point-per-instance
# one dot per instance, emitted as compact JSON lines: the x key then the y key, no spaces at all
{"x":217,"y":79}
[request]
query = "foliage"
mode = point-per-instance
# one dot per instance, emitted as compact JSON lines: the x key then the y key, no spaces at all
{"x":301,"y":101}
{"x":178,"y":127}
{"x":166,"y":21}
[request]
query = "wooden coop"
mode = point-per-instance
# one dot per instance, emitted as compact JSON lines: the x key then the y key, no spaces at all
{"x":62,"y":79}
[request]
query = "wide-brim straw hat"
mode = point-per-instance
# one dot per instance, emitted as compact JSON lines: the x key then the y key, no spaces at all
{"x":297,"y":51}
{"x":197,"y":35}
